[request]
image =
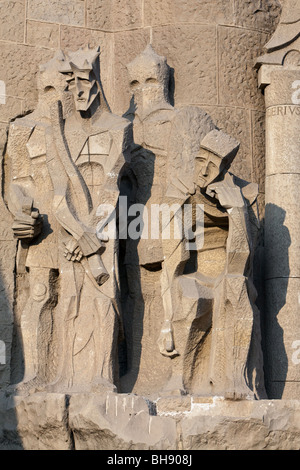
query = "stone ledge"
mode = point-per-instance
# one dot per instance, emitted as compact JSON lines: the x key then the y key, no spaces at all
{"x":129,"y":422}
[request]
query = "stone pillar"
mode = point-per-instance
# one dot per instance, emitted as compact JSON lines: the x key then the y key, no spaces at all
{"x":279,"y":77}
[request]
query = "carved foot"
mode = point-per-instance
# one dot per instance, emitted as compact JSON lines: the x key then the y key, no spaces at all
{"x":27,"y":386}
{"x":100,"y":385}
{"x":166,"y":341}
{"x":60,"y":385}
{"x":239,"y":396}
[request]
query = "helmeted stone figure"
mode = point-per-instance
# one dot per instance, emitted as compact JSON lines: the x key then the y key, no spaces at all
{"x":83,"y":152}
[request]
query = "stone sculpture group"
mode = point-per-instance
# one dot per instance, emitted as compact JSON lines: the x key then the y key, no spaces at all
{"x":155,"y":316}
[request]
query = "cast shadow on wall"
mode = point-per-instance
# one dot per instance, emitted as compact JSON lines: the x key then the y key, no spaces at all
{"x":275,"y":356}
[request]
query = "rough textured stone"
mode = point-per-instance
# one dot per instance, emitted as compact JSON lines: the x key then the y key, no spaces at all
{"x":37,"y":422}
{"x":258,"y":148}
{"x":57,"y":11}
{"x":12,"y":20}
{"x":191,"y":52}
{"x":11,"y":108}
{"x":115,"y":422}
{"x":257,"y":14}
{"x":44,"y":34}
{"x":19,"y":66}
{"x":126,"y":46}
{"x":238,"y":80}
{"x":114,"y":15}
{"x":80,"y":422}
{"x":190,"y":11}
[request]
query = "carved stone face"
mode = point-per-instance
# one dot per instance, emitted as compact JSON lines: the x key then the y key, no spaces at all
{"x":208,"y":168}
{"x":149,"y":80}
{"x":83,"y":85}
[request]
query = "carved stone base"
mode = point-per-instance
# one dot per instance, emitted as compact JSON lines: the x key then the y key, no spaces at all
{"x":129,"y":422}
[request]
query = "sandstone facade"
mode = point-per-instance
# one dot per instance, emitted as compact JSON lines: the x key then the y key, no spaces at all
{"x":143,"y":346}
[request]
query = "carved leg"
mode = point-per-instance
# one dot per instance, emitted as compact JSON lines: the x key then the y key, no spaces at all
{"x":70,"y":291}
{"x":231,"y":337}
{"x":105,"y":341}
{"x":39,"y":297}
{"x":173,"y":266}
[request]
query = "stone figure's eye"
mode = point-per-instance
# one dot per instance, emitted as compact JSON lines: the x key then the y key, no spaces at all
{"x":151,"y":80}
{"x":48,"y":89}
{"x":134,"y":84}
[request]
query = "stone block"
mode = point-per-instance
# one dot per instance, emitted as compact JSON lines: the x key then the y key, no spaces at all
{"x":11,"y":109}
{"x":114,"y":15}
{"x":257,"y":14}
{"x":282,"y":233}
{"x":237,"y":78}
{"x":57,"y":11}
{"x":191,"y":52}
{"x":36,"y":422}
{"x":283,"y":335}
{"x":19,"y":65}
{"x":173,"y":405}
{"x":12,"y":20}
{"x":190,"y":11}
{"x":42,"y":34}
{"x":127,"y":45}
{"x":283,"y":140}
{"x":112,"y":422}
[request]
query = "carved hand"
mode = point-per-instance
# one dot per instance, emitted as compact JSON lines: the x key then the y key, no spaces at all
{"x":27,"y":226}
{"x":72,"y":251}
{"x":228,"y":194}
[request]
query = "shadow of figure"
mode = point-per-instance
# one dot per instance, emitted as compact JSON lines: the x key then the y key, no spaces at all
{"x":135,"y":185}
{"x":277,"y":270}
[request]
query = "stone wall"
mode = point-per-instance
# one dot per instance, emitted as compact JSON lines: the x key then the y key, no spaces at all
{"x":211,"y":46}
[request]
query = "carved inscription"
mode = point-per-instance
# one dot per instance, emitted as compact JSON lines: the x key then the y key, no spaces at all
{"x":287,"y":110}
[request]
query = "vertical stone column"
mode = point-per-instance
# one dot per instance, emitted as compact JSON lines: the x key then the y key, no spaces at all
{"x":279,"y":77}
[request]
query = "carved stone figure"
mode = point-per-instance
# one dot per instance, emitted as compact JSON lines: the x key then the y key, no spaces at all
{"x":82,"y":152}
{"x":179,"y":324}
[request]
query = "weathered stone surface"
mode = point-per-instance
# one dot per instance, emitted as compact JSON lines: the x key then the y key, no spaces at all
{"x":3,"y":135}
{"x":190,"y":11}
{"x":258,"y":149}
{"x":118,"y":421}
{"x":38,"y":422}
{"x":238,"y":80}
{"x":191,"y":52}
{"x":114,"y":15}
{"x":44,"y":34}
{"x":12,"y":20}
{"x":127,"y":45}
{"x":262,"y":425}
{"x":257,"y":14}
{"x":19,"y":66}
{"x":57,"y":11}
{"x":80,"y":422}
{"x":11,"y":108}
